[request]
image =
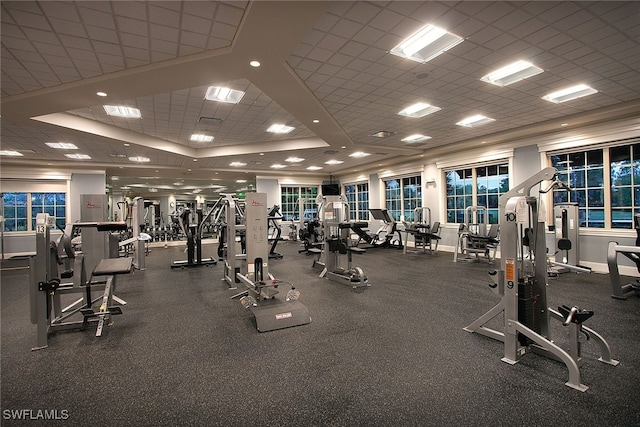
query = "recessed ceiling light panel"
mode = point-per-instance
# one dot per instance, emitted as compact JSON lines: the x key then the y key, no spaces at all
{"x":419,"y":109}
{"x":570,"y":93}
{"x":359,"y":154}
{"x":78,"y":156}
{"x":237,"y":164}
{"x":122,"y":111}
{"x":223,"y":94}
{"x":278,"y":166}
{"x":10,"y":153}
{"x":333,"y":162}
{"x":139,"y":159}
{"x":427,"y":43}
{"x":473,"y":121}
{"x":199,"y":137}
{"x":512,"y":73}
{"x":416,"y":138}
{"x":62,"y":145}
{"x":280,"y":128}
{"x":293,"y":159}
{"x":314,"y":168}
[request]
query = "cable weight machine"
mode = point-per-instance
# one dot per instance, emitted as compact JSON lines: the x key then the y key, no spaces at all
{"x":521,"y":284}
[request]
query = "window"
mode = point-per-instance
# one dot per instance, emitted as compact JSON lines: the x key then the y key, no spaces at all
{"x":402,"y":196}
{"x":289,"y":203}
{"x":15,"y":211}
{"x":20,"y":209}
{"x":584,"y":173}
{"x":358,"y":198}
{"x":605,"y":183}
{"x":478,"y":186}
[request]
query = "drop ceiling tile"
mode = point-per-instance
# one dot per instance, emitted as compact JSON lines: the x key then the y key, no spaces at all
{"x":102,"y":34}
{"x":160,"y":13}
{"x":132,"y":26}
{"x":73,"y":42}
{"x":230,"y":13}
{"x":346,"y":29}
{"x":386,"y":20}
{"x":223,"y":31}
{"x":26,"y":20}
{"x":162,"y":32}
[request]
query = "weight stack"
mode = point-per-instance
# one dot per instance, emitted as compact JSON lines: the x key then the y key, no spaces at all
{"x":527,"y":312}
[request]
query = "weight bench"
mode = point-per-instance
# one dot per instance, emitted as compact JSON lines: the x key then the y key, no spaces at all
{"x":111,"y":268}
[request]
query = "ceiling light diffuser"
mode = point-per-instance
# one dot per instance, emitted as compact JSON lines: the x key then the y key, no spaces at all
{"x":139,"y":159}
{"x":122,"y":111}
{"x":278,"y":166}
{"x":359,"y":154}
{"x":237,"y":164}
{"x":314,"y":168}
{"x":333,"y":162}
{"x":512,"y":73}
{"x":473,"y":121}
{"x":223,"y":94}
{"x":294,"y":159}
{"x":569,"y":93}
{"x":78,"y":156}
{"x":427,"y":43}
{"x":419,"y":109}
{"x":279,"y":128}
{"x":10,"y":153}
{"x":416,"y":138}
{"x":62,"y":145}
{"x":199,"y":137}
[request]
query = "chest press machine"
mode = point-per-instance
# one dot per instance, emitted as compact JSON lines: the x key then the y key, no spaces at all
{"x":521,"y":284}
{"x":46,"y":287}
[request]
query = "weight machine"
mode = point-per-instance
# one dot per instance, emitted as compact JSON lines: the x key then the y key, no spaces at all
{"x":275,"y":231}
{"x":260,"y":296}
{"x":566,"y":225}
{"x":618,"y":290}
{"x":521,"y":284}
{"x":338,"y":242}
{"x":425,"y":235}
{"x":46,"y":287}
{"x":473,"y":237}
{"x":194,"y":239}
{"x":387,"y":236}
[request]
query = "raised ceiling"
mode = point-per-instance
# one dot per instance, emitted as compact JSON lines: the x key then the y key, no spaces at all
{"x":320,"y":61}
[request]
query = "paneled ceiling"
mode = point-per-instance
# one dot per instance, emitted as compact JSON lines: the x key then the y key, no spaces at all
{"x":325,"y":70}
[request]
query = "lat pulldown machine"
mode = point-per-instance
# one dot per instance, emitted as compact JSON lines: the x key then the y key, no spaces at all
{"x":521,"y":284}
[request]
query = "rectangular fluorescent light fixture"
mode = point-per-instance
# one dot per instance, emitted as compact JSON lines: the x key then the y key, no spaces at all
{"x":10,"y":153}
{"x":62,"y":145}
{"x":78,"y":156}
{"x":237,"y":164}
{"x":294,"y":159}
{"x":473,"y":121}
{"x":359,"y":154}
{"x":122,"y":111}
{"x":278,"y":128}
{"x":419,"y":109}
{"x":569,"y":93}
{"x":278,"y":166}
{"x":223,"y":94}
{"x":415,"y":138}
{"x":314,"y":168}
{"x":512,"y":73}
{"x":139,"y":159}
{"x":333,"y":162}
{"x":199,"y":137}
{"x":427,"y":43}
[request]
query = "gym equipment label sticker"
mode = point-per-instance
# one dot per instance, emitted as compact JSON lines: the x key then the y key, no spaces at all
{"x":510,"y":270}
{"x":281,"y":316}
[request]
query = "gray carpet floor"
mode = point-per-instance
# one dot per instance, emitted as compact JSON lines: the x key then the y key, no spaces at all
{"x":184,"y":353}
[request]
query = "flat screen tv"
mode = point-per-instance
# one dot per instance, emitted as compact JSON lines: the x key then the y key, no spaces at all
{"x":332,"y":189}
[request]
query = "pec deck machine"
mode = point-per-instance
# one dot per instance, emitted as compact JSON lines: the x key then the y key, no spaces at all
{"x":521,"y":284}
{"x":252,"y":267}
